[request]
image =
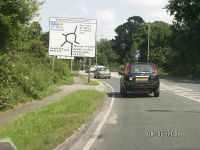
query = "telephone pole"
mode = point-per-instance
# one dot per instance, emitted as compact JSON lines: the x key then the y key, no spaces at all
{"x":148,"y":42}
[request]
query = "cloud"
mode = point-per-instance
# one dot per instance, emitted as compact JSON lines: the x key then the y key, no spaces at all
{"x":159,"y":15}
{"x":145,"y":4}
{"x":149,"y":10}
{"x":80,"y":7}
{"x":106,"y":23}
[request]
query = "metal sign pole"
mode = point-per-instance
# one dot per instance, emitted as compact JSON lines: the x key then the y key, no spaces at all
{"x":96,"y":49}
{"x":53,"y":63}
{"x":148,"y":43}
{"x":71,"y":64}
{"x":89,"y":70}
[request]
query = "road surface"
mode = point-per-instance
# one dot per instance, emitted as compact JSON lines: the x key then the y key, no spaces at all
{"x":144,"y":122}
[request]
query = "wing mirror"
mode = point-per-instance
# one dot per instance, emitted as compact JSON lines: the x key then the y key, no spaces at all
{"x":121,"y":72}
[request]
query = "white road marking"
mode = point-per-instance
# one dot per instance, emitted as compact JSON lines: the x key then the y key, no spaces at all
{"x":198,"y":100}
{"x":98,"y":129}
{"x":113,"y":74}
{"x":181,"y":91}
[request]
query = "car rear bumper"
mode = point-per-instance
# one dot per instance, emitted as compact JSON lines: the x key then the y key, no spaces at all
{"x":148,"y":87}
{"x":103,"y":75}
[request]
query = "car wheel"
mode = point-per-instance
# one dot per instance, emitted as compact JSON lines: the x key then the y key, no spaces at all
{"x":123,"y":92}
{"x":156,"y":93}
{"x":108,"y":77}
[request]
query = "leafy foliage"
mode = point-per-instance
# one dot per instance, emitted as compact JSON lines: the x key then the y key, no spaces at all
{"x":185,"y":37}
{"x":25,"y":70}
{"x":14,"y":17}
{"x":23,"y":76}
{"x":126,"y":36}
{"x":132,"y":36}
{"x":106,"y":55}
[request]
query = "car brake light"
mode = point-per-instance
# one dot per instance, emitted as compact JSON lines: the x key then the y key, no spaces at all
{"x":155,"y":69}
{"x":127,"y":69}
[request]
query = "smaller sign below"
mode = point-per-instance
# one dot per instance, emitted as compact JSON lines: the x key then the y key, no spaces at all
{"x":65,"y":57}
{"x":137,"y":55}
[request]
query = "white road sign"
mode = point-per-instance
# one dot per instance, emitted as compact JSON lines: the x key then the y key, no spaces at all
{"x":65,"y":57}
{"x":72,"y":37}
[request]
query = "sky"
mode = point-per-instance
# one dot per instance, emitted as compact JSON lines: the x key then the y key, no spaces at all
{"x":109,"y":13}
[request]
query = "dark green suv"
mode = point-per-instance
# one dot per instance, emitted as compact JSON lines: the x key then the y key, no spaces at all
{"x":140,"y":78}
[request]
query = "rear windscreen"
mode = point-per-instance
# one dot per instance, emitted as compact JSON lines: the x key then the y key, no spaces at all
{"x":104,"y":69}
{"x":142,"y":68}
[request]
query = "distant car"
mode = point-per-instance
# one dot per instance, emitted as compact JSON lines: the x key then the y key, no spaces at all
{"x":92,"y":68}
{"x":140,"y":78}
{"x":102,"y":72}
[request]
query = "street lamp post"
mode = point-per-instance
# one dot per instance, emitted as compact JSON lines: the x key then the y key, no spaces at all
{"x":148,"y":42}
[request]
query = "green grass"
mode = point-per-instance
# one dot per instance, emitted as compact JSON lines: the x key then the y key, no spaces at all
{"x":66,"y":81}
{"x":47,"y":127}
{"x":85,"y":81}
{"x":50,"y":90}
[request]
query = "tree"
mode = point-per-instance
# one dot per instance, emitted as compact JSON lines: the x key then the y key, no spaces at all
{"x":34,"y":30}
{"x":185,"y":11}
{"x":185,"y":37}
{"x":125,"y":37}
{"x":14,"y":16}
{"x":160,"y":33}
{"x":105,"y":54}
{"x":45,"y":39}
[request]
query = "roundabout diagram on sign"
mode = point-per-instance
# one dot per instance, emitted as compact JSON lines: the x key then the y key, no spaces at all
{"x":70,"y":38}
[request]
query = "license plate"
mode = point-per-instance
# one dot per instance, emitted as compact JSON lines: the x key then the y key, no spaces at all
{"x":141,"y":78}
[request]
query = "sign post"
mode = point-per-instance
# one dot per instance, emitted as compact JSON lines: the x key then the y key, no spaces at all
{"x":89,"y":70}
{"x":53,"y":62}
{"x":137,"y":55}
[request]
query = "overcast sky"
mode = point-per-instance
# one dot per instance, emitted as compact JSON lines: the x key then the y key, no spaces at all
{"x":109,"y":13}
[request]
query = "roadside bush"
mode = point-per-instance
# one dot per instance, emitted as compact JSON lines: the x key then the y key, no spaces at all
{"x":37,"y":48}
{"x":23,"y":76}
{"x":60,"y":70}
{"x":5,"y":82}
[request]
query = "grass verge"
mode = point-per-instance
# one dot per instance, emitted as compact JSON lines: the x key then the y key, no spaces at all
{"x":49,"y":126}
{"x":85,"y":81}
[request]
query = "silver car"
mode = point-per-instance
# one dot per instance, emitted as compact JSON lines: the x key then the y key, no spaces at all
{"x":102,"y":72}
{"x":92,"y":69}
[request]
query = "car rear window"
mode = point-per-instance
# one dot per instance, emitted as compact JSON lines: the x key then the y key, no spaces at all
{"x":142,"y":68}
{"x":103,"y":69}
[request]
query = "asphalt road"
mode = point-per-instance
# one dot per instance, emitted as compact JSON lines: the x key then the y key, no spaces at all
{"x":144,"y":122}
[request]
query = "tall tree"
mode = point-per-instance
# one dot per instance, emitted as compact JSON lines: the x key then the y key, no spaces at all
{"x":14,"y":16}
{"x":160,"y":33}
{"x":185,"y":37}
{"x":105,"y":54}
{"x":125,"y":37}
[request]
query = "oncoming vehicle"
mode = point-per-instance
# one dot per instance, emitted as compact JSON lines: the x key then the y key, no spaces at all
{"x":92,"y":68}
{"x":102,"y":72}
{"x":140,"y":78}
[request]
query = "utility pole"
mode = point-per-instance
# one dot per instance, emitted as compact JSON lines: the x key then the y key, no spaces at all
{"x":96,"y":48}
{"x":148,"y":42}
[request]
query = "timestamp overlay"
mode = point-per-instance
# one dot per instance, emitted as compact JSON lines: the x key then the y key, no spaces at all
{"x":164,"y":133}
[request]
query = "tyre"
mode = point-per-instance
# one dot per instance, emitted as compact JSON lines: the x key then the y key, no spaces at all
{"x":108,"y":77}
{"x":156,"y":93}
{"x":123,"y":91}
